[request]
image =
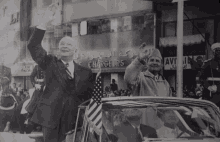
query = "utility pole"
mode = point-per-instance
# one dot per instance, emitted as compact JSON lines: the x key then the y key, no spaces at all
{"x":179,"y":71}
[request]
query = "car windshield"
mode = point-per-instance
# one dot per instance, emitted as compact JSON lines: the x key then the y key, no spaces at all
{"x":164,"y":121}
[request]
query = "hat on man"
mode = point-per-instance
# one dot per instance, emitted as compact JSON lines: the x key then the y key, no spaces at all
{"x":214,"y":46}
{"x":156,"y":53}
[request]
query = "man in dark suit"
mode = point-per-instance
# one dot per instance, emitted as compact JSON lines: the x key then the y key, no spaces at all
{"x":67,"y":83}
{"x":131,"y":130}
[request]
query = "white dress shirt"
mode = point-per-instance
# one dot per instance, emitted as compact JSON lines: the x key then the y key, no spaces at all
{"x":70,"y":68}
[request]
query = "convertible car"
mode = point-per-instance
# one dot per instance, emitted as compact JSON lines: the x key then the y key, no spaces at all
{"x":172,"y":119}
{"x":162,"y":120}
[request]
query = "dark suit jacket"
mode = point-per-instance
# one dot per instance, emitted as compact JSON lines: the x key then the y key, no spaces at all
{"x":126,"y":132}
{"x":59,"y":101}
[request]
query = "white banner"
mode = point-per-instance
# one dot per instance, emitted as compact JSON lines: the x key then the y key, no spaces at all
{"x":170,"y":62}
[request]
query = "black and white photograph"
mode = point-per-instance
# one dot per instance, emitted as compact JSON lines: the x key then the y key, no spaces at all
{"x":109,"y":71}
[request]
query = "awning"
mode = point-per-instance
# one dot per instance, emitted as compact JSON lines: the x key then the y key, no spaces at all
{"x":187,"y":40}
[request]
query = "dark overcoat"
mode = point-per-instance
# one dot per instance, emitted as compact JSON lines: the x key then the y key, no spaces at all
{"x":59,"y":103}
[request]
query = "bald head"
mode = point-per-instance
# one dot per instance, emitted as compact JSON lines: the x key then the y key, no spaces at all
{"x":68,"y":46}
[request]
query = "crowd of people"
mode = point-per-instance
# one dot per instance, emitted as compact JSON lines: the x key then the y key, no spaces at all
{"x":113,"y":91}
{"x":18,"y":122}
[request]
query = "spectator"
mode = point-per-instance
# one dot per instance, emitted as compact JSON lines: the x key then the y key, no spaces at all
{"x":14,"y":88}
{"x":19,"y":87}
{"x":170,"y":128}
{"x":108,"y":92}
{"x":131,"y":129}
{"x":117,"y":93}
{"x":173,"y":92}
{"x":114,"y":86}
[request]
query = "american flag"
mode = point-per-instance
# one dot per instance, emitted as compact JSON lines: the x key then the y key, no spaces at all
{"x":94,"y":111}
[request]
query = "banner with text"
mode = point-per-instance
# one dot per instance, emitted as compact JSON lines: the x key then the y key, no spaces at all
{"x":170,"y":62}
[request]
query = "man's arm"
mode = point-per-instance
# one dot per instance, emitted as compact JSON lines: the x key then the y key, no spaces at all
{"x":87,"y":92}
{"x":33,"y":74}
{"x":203,"y":76}
{"x":38,"y":54}
{"x":132,"y":72}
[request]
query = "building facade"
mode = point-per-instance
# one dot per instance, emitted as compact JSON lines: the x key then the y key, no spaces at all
{"x":199,"y":34}
{"x":11,"y":48}
{"x":113,"y":31}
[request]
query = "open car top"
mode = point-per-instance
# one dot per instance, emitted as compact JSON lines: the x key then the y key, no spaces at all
{"x":194,"y":119}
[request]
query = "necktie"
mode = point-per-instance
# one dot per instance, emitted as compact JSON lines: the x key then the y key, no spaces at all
{"x":139,"y":135}
{"x":68,"y":72}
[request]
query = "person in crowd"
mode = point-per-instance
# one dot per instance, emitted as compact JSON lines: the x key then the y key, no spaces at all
{"x":131,"y":130}
{"x":109,"y":92}
{"x":170,"y":128}
{"x":14,"y":88}
{"x":15,"y":122}
{"x":114,"y":86}
{"x":144,"y":79}
{"x":24,"y":113}
{"x":117,"y":93}
{"x":210,"y":76}
{"x":173,"y":92}
{"x":67,"y":83}
{"x":5,"y":79}
{"x":196,"y":66}
{"x":20,"y":87}
{"x":37,"y":78}
{"x":199,"y":90}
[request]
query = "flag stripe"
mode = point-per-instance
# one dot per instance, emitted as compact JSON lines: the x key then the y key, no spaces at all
{"x":92,"y":103}
{"x":97,"y":123}
{"x":93,"y":111}
{"x":92,"y":107}
{"x":96,"y":115}
{"x":100,"y":125}
{"x":98,"y":118}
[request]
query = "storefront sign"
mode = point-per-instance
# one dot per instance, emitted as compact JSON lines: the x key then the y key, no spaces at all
{"x":106,"y":64}
{"x":26,"y":68}
{"x":109,"y":59}
{"x":170,"y":63}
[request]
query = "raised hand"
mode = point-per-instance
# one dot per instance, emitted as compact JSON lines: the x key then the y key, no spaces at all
{"x":144,"y":52}
{"x":49,"y":13}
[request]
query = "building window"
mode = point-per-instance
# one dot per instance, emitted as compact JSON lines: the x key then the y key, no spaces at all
{"x":187,"y":28}
{"x":170,"y":29}
{"x":105,"y":26}
{"x":94,"y":27}
{"x":138,"y":22}
{"x":200,"y":26}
